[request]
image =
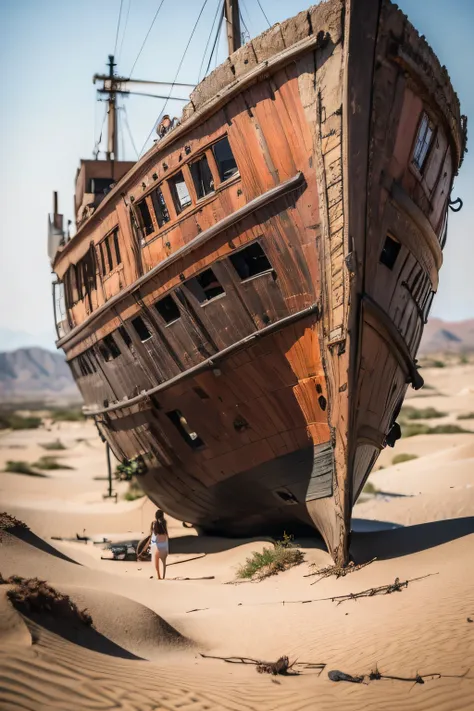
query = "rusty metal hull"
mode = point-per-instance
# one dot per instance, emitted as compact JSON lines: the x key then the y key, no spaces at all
{"x":269,"y":397}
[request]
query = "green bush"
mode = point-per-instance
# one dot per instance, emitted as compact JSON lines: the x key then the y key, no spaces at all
{"x":18,"y":422}
{"x":421,"y":413}
{"x":16,"y":467}
{"x":369,"y":488}
{"x":135,"y":491}
{"x":411,"y":430}
{"x":400,"y":458}
{"x":271,"y":561}
{"x":53,"y":446}
{"x":49,"y":463}
{"x":448,"y":429}
{"x":68,"y":415}
{"x":466,"y":416}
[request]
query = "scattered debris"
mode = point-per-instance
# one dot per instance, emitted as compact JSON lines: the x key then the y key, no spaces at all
{"x":197,"y":609}
{"x":396,"y":586}
{"x":205,"y":577}
{"x":336,"y":675}
{"x":7,"y":521}
{"x":282,"y":665}
{"x":186,"y":560}
{"x":338,"y":570}
{"x":469,"y":619}
{"x":375,"y":675}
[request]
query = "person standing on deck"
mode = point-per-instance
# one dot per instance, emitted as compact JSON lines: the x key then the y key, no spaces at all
{"x":159,"y":543}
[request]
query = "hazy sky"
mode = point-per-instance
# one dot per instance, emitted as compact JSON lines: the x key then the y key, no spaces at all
{"x":49,"y":118}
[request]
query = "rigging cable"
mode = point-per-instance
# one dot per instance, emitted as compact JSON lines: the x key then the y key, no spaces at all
{"x":178,"y":71}
{"x":146,"y":37}
{"x":127,"y":126}
{"x":118,"y":27}
{"x":216,"y":39}
{"x":124,"y":31}
{"x":263,"y":12}
{"x":210,"y":35}
{"x":243,"y":23}
{"x":99,"y":140}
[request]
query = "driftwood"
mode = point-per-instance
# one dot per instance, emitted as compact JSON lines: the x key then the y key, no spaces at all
{"x":282,"y":665}
{"x":339,"y":571}
{"x":396,"y":586}
{"x":336,"y":675}
{"x":186,"y":560}
{"x":197,"y":609}
{"x":375,"y":675}
{"x":204,"y":577}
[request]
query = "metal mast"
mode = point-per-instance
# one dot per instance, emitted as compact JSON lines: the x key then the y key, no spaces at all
{"x":112,"y":138}
{"x":232,"y":21}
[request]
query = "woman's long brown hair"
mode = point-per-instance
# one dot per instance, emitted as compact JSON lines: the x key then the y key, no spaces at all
{"x":159,"y":526}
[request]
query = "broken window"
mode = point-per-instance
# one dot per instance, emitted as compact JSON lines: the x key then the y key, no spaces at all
{"x":111,"y":345}
{"x":205,"y":286}
{"x":144,"y":216}
{"x":141,"y":328}
{"x":423,"y":142}
{"x":161,"y":211}
{"x":109,"y":250}
{"x":125,"y":337}
{"x":118,"y":258}
{"x":99,"y":186}
{"x":168,"y":309}
{"x":390,"y":252}
{"x":202,"y":177}
{"x":187,"y":433}
{"x":179,"y":192}
{"x":224,"y":158}
{"x":250,"y":261}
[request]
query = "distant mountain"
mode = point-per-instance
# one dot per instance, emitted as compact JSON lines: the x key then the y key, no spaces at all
{"x":36,"y":375}
{"x":447,"y":337}
{"x":11,"y":340}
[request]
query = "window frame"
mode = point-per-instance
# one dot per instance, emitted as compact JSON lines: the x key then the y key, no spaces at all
{"x":420,"y":167}
{"x":175,"y":304}
{"x":235,"y":252}
{"x":186,"y":173}
{"x":197,"y":159}
{"x":195,"y":277}
{"x":109,"y":253}
{"x":210,"y":148}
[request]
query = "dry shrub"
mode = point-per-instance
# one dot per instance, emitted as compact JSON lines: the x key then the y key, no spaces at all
{"x":271,"y":561}
{"x":36,"y":596}
{"x":8,"y":521}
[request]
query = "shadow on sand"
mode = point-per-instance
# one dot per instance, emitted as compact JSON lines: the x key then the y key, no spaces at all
{"x":27,"y":536}
{"x":400,"y":541}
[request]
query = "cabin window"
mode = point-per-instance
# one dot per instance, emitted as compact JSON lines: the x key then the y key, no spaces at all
{"x":99,"y":186}
{"x":144,"y":216}
{"x":109,"y":251}
{"x":187,"y":433}
{"x":179,"y":192}
{"x":202,"y":177}
{"x":125,"y":337}
{"x":141,"y":328}
{"x":390,"y":252}
{"x":224,"y":158}
{"x":111,"y":345}
{"x":168,"y":309}
{"x":205,"y":286}
{"x":161,"y":211}
{"x":423,"y":142}
{"x":250,"y":261}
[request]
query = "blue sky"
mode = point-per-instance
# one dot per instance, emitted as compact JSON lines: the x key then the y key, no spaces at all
{"x":49,"y":118}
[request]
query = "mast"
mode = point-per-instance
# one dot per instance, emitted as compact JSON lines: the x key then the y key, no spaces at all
{"x":232,"y":17}
{"x":112,"y":138}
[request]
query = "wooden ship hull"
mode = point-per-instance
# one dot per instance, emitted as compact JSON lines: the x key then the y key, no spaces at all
{"x":244,"y":308}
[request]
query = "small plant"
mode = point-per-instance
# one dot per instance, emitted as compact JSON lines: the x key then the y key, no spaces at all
{"x":19,"y":467}
{"x":400,"y":458}
{"x":18,"y":422}
{"x":271,"y":561}
{"x":8,"y":521}
{"x":466,"y":416}
{"x":36,"y":596}
{"x":412,"y":430}
{"x":464,"y":360}
{"x":421,"y":413}
{"x":448,"y":429}
{"x":49,"y":463}
{"x":438,"y":364}
{"x":68,"y":415}
{"x":135,"y":491}
{"x":369,"y":488}
{"x":53,"y":446}
{"x":130,"y":468}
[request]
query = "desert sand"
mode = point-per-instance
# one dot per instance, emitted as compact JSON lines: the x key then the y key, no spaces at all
{"x":143,"y":651}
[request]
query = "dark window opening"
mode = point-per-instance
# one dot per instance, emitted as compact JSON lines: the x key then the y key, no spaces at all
{"x":168,"y":309}
{"x":141,"y":328}
{"x":201,"y":393}
{"x":205,"y":286}
{"x":187,"y":433}
{"x":104,"y":352}
{"x":250,"y":261}
{"x":109,"y":255}
{"x":202,"y":177}
{"x":117,"y":248}
{"x":179,"y":192}
{"x":145,"y":218}
{"x":109,"y":342}
{"x":423,"y":142}
{"x":99,"y":186}
{"x":224,"y":158}
{"x":88,"y":357}
{"x":390,"y":252}
{"x":161,"y":211}
{"x":125,"y":337}
{"x":102,"y":258}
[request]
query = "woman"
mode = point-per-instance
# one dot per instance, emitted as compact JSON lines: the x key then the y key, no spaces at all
{"x":159,"y":543}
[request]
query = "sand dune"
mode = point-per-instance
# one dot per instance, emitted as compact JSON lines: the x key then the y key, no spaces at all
{"x":143,"y":650}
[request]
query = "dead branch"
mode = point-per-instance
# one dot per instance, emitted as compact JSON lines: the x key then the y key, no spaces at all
{"x":186,"y":560}
{"x":282,"y":665}
{"x":396,"y":586}
{"x":197,"y":609}
{"x":339,"y":571}
{"x":336,"y":675}
{"x":375,"y":675}
{"x":205,"y":577}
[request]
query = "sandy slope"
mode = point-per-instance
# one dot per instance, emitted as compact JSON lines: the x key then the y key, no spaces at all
{"x":428,"y":529}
